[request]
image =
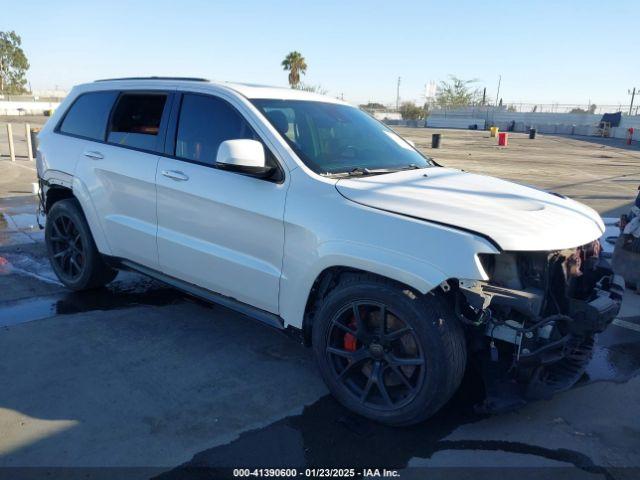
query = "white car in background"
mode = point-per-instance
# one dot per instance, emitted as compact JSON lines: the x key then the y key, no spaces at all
{"x":306,"y":213}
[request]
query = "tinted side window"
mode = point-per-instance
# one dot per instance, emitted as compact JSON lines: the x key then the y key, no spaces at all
{"x":205,"y":122}
{"x":88,"y":115}
{"x":136,"y":120}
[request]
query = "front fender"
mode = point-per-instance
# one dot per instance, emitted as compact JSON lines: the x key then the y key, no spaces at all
{"x":56,"y":177}
{"x":412,"y":271}
{"x":409,"y":270}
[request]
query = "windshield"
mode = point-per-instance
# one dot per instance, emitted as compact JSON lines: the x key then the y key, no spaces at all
{"x":333,"y":139}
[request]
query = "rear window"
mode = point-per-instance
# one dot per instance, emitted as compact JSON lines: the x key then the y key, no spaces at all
{"x":136,"y":120}
{"x":88,"y":115}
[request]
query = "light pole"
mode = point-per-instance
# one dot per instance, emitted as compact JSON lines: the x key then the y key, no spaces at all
{"x":633,"y":95}
{"x":398,"y":96}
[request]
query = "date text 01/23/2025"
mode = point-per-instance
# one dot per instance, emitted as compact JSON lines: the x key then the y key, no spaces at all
{"x":315,"y":472}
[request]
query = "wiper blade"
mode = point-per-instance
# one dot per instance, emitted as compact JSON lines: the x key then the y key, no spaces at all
{"x":379,"y":171}
{"x":356,"y":172}
{"x":360,"y":171}
{"x":363,"y":171}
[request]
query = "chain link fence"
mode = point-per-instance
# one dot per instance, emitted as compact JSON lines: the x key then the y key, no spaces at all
{"x":572,"y":108}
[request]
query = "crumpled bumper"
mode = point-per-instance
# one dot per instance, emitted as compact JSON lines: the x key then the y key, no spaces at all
{"x":584,"y":319}
{"x":595,"y":315}
{"x":549,"y":366}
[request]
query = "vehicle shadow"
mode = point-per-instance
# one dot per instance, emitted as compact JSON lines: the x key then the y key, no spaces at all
{"x":328,"y":436}
{"x":616,"y":212}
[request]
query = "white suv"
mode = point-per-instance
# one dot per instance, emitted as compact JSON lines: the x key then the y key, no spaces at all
{"x":306,"y":213}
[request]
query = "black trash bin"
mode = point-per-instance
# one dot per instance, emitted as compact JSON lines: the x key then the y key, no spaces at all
{"x":532,"y":133}
{"x":34,"y":141}
{"x":435,"y":140}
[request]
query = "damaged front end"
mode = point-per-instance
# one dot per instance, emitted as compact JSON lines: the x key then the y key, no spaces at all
{"x":532,"y":326}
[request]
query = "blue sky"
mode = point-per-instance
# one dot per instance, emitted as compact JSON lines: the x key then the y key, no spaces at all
{"x":546,"y":51}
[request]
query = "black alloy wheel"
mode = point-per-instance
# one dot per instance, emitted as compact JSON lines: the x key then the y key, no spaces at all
{"x":376,"y":355}
{"x":72,"y":251}
{"x":67,"y":248}
{"x":387,"y":352}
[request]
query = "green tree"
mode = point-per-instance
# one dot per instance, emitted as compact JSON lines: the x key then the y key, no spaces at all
{"x":457,"y":92}
{"x":410,"y":111}
{"x":592,"y":109}
{"x":319,"y":89}
{"x":13,"y":64}
{"x":295,"y":63}
{"x":371,"y":106}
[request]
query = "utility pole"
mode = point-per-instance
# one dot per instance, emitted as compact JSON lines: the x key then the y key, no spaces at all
{"x":484,"y":95}
{"x":498,"y":92}
{"x":398,"y":96}
{"x":633,"y":95}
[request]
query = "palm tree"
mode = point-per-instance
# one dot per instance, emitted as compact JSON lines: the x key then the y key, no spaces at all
{"x":296,"y":64}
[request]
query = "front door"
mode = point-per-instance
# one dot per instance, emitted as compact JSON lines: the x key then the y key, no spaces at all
{"x":217,"y":229}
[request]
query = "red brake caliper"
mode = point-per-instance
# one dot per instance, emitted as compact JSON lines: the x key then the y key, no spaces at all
{"x":350,"y":340}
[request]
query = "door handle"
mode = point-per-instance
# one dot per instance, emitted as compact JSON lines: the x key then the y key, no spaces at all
{"x":175,"y":175}
{"x":94,"y":155}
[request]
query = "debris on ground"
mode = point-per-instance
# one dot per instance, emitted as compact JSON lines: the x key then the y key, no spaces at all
{"x":626,"y":255}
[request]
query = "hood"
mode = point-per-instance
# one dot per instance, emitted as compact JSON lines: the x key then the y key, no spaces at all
{"x":516,"y":217}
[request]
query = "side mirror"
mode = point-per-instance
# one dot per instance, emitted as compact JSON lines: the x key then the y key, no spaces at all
{"x":243,"y":156}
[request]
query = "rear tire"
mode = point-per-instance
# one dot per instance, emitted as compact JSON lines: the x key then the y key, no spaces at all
{"x":417,"y":355}
{"x":72,"y":251}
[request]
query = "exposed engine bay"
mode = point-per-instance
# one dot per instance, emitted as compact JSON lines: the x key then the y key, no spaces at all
{"x":532,"y":326}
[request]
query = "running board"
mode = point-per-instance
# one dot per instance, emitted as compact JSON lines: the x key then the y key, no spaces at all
{"x":228,"y":302}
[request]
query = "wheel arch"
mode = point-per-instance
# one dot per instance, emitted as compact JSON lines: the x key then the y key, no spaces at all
{"x":60,"y":186}
{"x":54,"y":194}
{"x":56,"y":185}
{"x":301,"y":273}
{"x":328,"y":279}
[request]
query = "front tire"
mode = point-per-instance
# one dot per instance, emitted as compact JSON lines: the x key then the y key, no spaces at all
{"x":72,"y":251}
{"x":388,"y":353}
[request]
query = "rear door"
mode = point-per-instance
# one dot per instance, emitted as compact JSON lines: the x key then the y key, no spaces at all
{"x":119,"y":173}
{"x":217,"y":229}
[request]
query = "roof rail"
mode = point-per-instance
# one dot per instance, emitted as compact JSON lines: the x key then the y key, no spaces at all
{"x":191,"y":79}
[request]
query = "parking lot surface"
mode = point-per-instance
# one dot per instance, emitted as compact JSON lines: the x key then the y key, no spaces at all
{"x":601,"y":172}
{"x":140,"y":375}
